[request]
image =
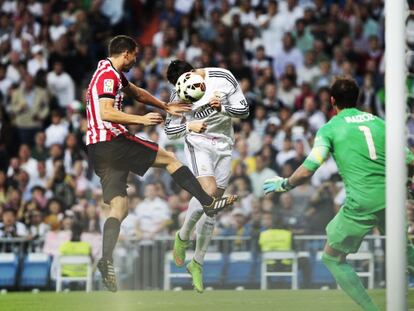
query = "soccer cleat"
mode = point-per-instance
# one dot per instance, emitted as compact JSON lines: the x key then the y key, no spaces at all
{"x":219,"y":204}
{"x":179,"y":249}
{"x":106,"y":268}
{"x":196,"y":272}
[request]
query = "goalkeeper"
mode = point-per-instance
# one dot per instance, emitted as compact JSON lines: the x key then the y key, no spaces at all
{"x":356,"y":140}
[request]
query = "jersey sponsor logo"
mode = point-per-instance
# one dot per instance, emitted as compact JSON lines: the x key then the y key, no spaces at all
{"x":108,"y":85}
{"x":203,"y":112}
{"x":360,"y":118}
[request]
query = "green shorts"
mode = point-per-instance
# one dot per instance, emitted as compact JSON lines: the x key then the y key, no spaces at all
{"x":345,"y":232}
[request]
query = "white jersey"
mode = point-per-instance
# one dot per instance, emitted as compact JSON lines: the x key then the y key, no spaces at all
{"x":220,"y":83}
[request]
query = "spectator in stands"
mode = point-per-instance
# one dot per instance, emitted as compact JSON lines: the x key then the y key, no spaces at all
{"x":38,"y":61}
{"x":314,"y":116}
{"x":3,"y":188}
{"x":324,"y":78}
{"x":259,"y":60}
{"x":91,"y":219}
{"x":10,"y":227}
{"x":55,"y":154}
{"x":259,"y":176}
{"x":37,"y":228}
{"x":271,"y":100}
{"x":273,"y":27}
{"x":288,"y":91}
{"x":289,"y":217}
{"x":321,"y":210}
{"x":303,"y":36}
{"x":243,"y":157}
{"x":14,"y":68}
{"x":238,"y":227}
{"x":54,"y":216}
{"x":39,"y":150}
{"x":57,"y":29}
{"x":62,"y":185}
{"x":57,"y":131}
{"x":83,"y":185}
{"x":130,"y":225}
{"x":5,"y":82}
{"x":30,"y":107}
{"x":153,"y":215}
{"x":23,"y":185}
{"x":72,"y":152}
{"x":26,"y":162}
{"x":61,"y":85}
{"x":38,"y":196}
{"x":288,"y":54}
{"x":286,"y":153}
{"x":253,"y":141}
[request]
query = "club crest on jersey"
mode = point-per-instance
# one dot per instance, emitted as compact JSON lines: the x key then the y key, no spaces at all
{"x":108,"y":86}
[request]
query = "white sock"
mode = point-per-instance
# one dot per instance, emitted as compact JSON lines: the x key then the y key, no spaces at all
{"x":204,"y":231}
{"x":194,"y":212}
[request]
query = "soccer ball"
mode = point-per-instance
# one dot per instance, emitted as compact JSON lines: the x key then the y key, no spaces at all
{"x":190,"y":87}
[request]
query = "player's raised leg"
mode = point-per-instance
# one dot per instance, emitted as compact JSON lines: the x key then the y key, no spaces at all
{"x":204,"y":231}
{"x":185,"y":178}
{"x":194,"y":213}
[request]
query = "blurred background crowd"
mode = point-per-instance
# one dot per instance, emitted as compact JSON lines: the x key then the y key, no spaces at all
{"x":284,"y":54}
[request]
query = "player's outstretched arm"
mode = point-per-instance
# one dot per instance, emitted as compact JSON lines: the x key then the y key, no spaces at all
{"x":280,"y":184}
{"x":144,"y":96}
{"x":314,"y":160}
{"x":110,"y":114}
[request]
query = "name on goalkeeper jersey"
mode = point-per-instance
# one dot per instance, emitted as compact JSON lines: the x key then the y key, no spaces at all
{"x":359,"y":118}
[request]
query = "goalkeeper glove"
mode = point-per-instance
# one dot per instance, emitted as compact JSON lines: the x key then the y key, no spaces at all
{"x":276,"y":184}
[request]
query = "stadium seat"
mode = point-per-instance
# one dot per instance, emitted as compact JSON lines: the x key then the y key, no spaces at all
{"x":213,"y":269}
{"x":320,"y":274}
{"x":240,"y":268}
{"x":174,"y":275}
{"x":279,"y":255}
{"x":362,"y":257}
{"x":35,"y":270}
{"x":9,"y":264}
{"x":74,"y":260}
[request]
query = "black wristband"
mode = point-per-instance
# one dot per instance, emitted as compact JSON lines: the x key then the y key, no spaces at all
{"x":286,"y":185}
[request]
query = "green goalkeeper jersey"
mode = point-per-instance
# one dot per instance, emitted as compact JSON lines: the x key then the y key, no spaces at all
{"x":356,"y":140}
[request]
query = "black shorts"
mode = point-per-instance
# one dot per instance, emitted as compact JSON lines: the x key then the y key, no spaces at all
{"x":113,"y":160}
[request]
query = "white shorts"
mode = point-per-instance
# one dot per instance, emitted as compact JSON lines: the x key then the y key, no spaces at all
{"x":209,"y":157}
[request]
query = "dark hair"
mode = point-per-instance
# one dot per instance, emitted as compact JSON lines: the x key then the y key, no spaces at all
{"x":120,"y":44}
{"x":345,"y":91}
{"x":176,"y":69}
{"x":77,"y":230}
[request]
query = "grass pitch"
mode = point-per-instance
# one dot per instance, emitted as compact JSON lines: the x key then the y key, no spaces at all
{"x":228,"y":300}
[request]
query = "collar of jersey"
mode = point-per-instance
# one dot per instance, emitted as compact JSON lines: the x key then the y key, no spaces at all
{"x":349,"y":111}
{"x":112,"y":64}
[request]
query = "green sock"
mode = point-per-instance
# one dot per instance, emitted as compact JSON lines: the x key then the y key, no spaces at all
{"x":349,"y":281}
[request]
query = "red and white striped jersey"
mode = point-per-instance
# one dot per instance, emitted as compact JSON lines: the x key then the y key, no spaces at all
{"x":106,"y":82}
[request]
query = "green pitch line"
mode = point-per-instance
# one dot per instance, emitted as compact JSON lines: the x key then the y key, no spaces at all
{"x":271,"y":300}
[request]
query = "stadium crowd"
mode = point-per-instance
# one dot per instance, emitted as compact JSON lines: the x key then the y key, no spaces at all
{"x":284,"y":53}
